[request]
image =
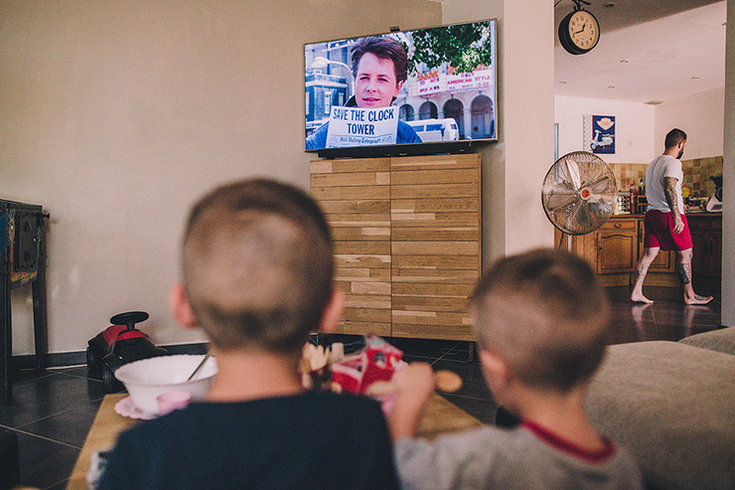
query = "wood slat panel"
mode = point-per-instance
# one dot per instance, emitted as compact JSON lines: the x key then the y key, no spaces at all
{"x":436,"y":191}
{"x":363,"y":274}
{"x":377,"y":261}
{"x":440,"y":177}
{"x":435,"y":248}
{"x":457,"y":276}
{"x":365,"y":287}
{"x":422,"y":303}
{"x":437,"y":220}
{"x":434,"y":162}
{"x":371,"y":192}
{"x":362,"y":248}
{"x":432,"y":289}
{"x":443,"y":234}
{"x":367,"y":301}
{"x":471,"y":262}
{"x":367,"y":233}
{"x":350,"y":179}
{"x":435,"y":205}
{"x":375,"y":315}
{"x":350,"y":165}
{"x":439,"y":332}
{"x":355,"y":206}
{"x":445,"y":318}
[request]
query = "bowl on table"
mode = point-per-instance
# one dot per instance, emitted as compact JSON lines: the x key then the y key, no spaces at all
{"x":148,"y":379}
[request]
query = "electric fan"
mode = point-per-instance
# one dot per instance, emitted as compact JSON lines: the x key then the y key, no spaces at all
{"x":579,"y":193}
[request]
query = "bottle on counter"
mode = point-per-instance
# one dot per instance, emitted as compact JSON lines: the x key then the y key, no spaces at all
{"x":641,"y":188}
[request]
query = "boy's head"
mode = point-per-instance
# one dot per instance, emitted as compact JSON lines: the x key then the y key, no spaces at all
{"x":545,"y":315}
{"x":257,"y":266}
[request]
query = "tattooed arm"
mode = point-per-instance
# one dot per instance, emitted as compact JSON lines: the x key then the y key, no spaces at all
{"x":673,"y":202}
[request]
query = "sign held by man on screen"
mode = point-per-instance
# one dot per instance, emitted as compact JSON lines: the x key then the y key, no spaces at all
{"x":356,"y":126}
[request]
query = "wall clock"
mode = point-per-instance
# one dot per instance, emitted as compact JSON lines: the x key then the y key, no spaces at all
{"x":579,"y":31}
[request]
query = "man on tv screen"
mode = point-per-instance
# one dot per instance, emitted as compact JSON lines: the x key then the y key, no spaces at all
{"x":379,"y":67}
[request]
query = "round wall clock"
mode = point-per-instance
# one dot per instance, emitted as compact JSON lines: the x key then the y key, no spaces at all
{"x":579,"y":32}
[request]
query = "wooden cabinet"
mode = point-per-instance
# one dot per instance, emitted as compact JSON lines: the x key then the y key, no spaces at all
{"x":617,"y":246}
{"x":706,"y":244}
{"x":407,"y":241}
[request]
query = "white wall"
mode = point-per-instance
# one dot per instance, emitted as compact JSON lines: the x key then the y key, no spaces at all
{"x":116,"y":115}
{"x":514,"y":168}
{"x":701,"y":116}
{"x":634,"y":127}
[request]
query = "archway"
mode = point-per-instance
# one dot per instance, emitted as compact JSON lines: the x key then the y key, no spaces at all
{"x":483,"y":118}
{"x":455,"y":109}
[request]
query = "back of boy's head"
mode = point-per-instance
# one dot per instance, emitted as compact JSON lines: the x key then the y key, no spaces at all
{"x":545,"y":314}
{"x":258,"y":266}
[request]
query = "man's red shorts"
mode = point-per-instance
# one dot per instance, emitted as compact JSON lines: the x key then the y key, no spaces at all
{"x":659,"y":232}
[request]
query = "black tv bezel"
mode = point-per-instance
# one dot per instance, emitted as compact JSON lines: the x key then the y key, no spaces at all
{"x":415,"y":149}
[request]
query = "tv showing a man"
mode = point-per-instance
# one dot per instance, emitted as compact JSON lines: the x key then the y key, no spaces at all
{"x":379,"y":68}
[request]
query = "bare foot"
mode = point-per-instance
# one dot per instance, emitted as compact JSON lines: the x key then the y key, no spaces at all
{"x":639,"y":298}
{"x":698,"y":300}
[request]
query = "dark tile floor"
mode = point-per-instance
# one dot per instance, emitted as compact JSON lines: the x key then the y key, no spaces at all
{"x":53,"y":410}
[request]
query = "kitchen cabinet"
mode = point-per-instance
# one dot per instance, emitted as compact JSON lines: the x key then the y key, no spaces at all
{"x":407,"y":241}
{"x":706,"y":244}
{"x":614,"y":249}
{"x":617,"y":246}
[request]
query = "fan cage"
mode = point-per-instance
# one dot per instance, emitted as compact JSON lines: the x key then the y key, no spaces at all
{"x":579,"y":193}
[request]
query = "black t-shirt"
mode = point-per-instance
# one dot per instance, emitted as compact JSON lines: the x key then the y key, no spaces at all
{"x":317,"y":440}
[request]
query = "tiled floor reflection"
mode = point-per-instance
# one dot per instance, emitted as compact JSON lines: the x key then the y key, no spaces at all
{"x":52,"y":411}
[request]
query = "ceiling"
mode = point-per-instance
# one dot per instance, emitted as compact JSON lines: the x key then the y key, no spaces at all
{"x":649,"y":51}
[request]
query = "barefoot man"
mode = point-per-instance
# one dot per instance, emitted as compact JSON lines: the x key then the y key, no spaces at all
{"x":665,"y":223}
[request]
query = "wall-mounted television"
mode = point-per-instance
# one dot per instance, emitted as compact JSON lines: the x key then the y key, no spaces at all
{"x":424,"y":91}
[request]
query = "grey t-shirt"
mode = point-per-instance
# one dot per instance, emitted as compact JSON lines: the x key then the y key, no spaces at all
{"x":518,"y":458}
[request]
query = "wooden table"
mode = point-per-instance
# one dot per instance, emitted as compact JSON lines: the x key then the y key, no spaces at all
{"x":440,"y":417}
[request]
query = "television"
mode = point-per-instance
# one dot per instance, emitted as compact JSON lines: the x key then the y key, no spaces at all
{"x":423,"y":91}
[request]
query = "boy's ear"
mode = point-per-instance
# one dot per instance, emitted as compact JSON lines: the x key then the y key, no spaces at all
{"x":333,"y":312}
{"x":496,"y":371}
{"x":180,"y":307}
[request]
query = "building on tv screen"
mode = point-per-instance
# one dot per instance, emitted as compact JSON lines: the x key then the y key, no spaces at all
{"x":428,"y":85}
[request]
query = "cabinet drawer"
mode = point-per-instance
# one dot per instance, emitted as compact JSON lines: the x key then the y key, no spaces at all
{"x":620,"y":225}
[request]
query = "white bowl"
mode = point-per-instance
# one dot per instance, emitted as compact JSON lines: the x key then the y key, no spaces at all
{"x":150,"y":378}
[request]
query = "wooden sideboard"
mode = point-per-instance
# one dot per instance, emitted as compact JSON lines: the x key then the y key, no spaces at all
{"x":615,"y":247}
{"x":407,"y":241}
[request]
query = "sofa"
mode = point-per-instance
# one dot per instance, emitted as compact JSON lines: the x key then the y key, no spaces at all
{"x":672,"y":405}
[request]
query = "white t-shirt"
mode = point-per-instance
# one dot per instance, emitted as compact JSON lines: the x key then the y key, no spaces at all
{"x":663,"y":166}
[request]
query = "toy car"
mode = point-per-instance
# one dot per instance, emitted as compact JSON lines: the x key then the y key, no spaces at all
{"x":119,"y":344}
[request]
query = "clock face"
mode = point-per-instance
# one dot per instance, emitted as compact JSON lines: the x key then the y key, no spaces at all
{"x":584,"y":31}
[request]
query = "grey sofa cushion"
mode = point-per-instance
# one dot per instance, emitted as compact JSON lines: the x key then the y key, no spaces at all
{"x":673,"y":406}
{"x":722,"y":340}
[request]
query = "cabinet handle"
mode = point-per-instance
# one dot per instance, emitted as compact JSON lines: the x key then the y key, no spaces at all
{"x":618,"y":225}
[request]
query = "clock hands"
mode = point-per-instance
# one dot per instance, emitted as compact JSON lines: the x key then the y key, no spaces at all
{"x":582,"y":29}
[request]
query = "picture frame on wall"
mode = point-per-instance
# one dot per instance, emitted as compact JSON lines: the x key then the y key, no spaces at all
{"x":599,"y":134}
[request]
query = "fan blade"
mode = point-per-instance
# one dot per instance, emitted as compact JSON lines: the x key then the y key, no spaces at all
{"x":600,"y":185}
{"x":573,"y":172}
{"x":559,"y":200}
{"x":583,"y":216}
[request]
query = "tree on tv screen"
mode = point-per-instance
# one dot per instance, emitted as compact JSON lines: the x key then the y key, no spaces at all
{"x":464,"y":47}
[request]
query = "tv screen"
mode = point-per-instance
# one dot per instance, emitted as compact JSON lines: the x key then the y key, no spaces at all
{"x":422,"y":91}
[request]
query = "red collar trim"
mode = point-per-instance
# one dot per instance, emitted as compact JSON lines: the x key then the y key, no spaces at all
{"x":568,"y":447}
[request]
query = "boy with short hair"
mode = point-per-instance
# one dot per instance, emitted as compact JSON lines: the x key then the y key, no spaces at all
{"x":257,"y":278}
{"x":540,"y":320}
